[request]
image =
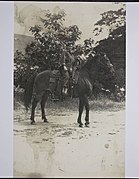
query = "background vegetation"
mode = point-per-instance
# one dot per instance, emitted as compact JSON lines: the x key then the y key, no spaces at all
{"x":45,"y":49}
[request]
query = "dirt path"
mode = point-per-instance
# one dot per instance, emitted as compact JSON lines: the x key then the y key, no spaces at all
{"x":61,"y":149}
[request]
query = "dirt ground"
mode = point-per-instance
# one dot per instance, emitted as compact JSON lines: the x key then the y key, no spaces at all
{"x":61,"y":149}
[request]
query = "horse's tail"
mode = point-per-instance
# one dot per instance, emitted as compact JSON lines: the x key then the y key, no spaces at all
{"x":28,"y":92}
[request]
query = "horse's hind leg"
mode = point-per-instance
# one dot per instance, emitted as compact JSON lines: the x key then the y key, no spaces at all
{"x":81,"y":106}
{"x":43,"y":102}
{"x":34,"y":104}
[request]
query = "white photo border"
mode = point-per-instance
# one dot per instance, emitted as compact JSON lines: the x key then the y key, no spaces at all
{"x":6,"y":87}
{"x":6,"y":90}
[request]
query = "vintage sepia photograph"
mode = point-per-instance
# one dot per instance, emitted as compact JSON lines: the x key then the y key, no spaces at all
{"x":69,"y":89}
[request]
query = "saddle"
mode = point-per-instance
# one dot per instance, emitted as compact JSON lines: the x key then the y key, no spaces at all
{"x":54,"y":83}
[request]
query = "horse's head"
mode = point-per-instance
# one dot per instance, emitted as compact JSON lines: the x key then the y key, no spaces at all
{"x":104,"y":63}
{"x":107,"y":69}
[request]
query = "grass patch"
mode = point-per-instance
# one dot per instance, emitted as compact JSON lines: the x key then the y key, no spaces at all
{"x":65,"y":107}
{"x":106,"y":105}
{"x":72,"y":105}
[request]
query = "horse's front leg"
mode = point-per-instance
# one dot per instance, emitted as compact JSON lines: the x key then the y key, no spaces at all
{"x":43,"y":102}
{"x":34,"y":104}
{"x":81,"y":106}
{"x":87,"y":111}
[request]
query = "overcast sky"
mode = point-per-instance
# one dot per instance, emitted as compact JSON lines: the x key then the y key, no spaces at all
{"x":84,"y":15}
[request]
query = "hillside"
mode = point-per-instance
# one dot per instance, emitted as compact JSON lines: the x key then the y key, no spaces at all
{"x":21,"y":41}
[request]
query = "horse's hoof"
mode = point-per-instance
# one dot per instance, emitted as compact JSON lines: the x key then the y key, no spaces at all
{"x":32,"y":122}
{"x":45,"y":121}
{"x":81,"y":125}
{"x":87,"y":125}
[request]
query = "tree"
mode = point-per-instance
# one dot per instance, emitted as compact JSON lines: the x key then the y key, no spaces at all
{"x":54,"y":38}
{"x":110,"y":20}
{"x":114,"y":44}
{"x":45,"y":52}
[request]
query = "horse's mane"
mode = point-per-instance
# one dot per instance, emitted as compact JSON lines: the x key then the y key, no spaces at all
{"x":89,"y":62}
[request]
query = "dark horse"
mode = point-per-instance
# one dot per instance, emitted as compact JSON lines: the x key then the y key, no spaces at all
{"x":87,"y":74}
{"x":39,"y":87}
